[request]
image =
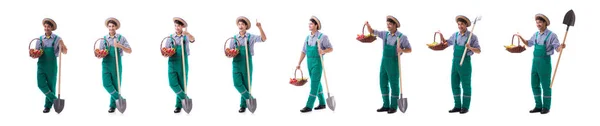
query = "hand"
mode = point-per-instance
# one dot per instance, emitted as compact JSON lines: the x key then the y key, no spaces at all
{"x":298,"y":67}
{"x":258,"y":24}
{"x":561,"y":47}
{"x":118,"y":45}
{"x":322,"y":52}
{"x":366,"y":22}
{"x":438,"y":31}
{"x":517,"y":34}
{"x":399,"y":50}
{"x":63,"y":48}
{"x":186,"y":32}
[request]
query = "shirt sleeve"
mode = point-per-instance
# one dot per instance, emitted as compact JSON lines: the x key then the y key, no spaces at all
{"x":451,"y":39}
{"x":380,"y":34}
{"x":554,"y":41}
{"x":168,"y":42}
{"x":404,"y":43}
{"x":325,"y":44}
{"x":231,"y":43}
{"x":38,"y":44}
{"x":255,"y":38}
{"x":56,"y":47}
{"x":102,"y":44}
{"x":531,"y":41}
{"x":475,"y":42}
{"x":125,"y":43}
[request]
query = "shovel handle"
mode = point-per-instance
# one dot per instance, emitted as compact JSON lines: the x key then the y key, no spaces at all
{"x":117,"y":65}
{"x":183,"y":65}
{"x":468,"y":42}
{"x":59,"y":67}
{"x":558,"y":61}
{"x":248,"y":67}
{"x":322,"y":65}
{"x":399,"y":66}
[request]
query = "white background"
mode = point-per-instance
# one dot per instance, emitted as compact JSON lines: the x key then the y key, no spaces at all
{"x":501,"y":80}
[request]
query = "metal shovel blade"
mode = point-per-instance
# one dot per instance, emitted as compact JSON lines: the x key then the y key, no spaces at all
{"x":187,"y":105}
{"x":121,"y":104}
{"x":59,"y":104}
{"x":402,"y":104}
{"x":251,"y":103}
{"x":331,"y":102}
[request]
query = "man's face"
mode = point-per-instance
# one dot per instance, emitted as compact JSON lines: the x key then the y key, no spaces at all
{"x":391,"y":26}
{"x":312,"y":26}
{"x":47,"y":28}
{"x":541,"y":25}
{"x":462,"y":26}
{"x":111,"y":28}
{"x":241,"y":26}
{"x":178,"y":28}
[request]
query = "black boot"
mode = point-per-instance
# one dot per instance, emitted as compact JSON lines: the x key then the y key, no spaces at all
{"x":464,"y":110}
{"x":535,"y":110}
{"x":46,"y":110}
{"x":320,"y":107}
{"x":111,"y":110}
{"x":383,"y":109}
{"x":305,"y":109}
{"x":177,"y":110}
{"x":391,"y":111}
{"x":242,"y":110}
{"x":544,"y":111}
{"x":454,"y":110}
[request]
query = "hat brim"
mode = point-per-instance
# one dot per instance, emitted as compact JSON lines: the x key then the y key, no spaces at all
{"x":181,"y":20}
{"x":118,"y":24}
{"x":543,"y":17}
{"x":464,"y":18}
{"x":395,"y":20}
{"x":318,"y":22}
{"x":51,"y":21}
{"x":245,"y":20}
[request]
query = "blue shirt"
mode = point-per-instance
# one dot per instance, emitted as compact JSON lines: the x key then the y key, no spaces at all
{"x":312,"y":41}
{"x":392,"y":38}
{"x":110,"y":40}
{"x":48,"y":42}
{"x":462,"y":39}
{"x":551,"y":45}
{"x":178,"y":42}
{"x":243,"y":39}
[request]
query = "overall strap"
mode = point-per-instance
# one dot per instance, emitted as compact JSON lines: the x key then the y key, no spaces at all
{"x":399,"y":36}
{"x":537,"y":34}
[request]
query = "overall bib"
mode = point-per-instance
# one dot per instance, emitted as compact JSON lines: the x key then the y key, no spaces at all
{"x":109,"y":72}
{"x":47,"y":73}
{"x":461,"y":74}
{"x":389,"y":74}
{"x":540,"y":73}
{"x":240,"y":72}
{"x":315,"y":70}
{"x":176,"y":71}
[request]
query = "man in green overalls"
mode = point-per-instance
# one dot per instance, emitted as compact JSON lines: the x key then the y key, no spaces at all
{"x":394,"y":44}
{"x":462,"y":74}
{"x":315,"y":67}
{"x":545,"y":42}
{"x":47,"y":62}
{"x":175,"y":61}
{"x":109,"y":70}
{"x":241,"y":41}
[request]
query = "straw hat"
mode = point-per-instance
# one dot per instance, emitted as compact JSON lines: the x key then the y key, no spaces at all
{"x":465,"y":18}
{"x":51,"y":22}
{"x":117,"y":23}
{"x":394,"y":19}
{"x":181,"y":20}
{"x":543,"y":17}
{"x":318,"y":22}
{"x":245,"y":20}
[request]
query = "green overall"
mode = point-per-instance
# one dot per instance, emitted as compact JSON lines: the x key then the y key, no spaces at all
{"x":389,"y":76}
{"x":541,"y":72}
{"x":240,"y":72}
{"x":461,"y":74}
{"x":315,"y":69}
{"x":47,"y":72}
{"x":109,"y":72}
{"x":176,"y":71}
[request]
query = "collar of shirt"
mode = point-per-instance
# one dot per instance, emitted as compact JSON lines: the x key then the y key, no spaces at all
{"x":544,"y":32}
{"x":463,"y":34}
{"x":112,"y":36}
{"x":48,"y":37}
{"x":315,"y":35}
{"x":242,"y":36}
{"x":393,"y":34}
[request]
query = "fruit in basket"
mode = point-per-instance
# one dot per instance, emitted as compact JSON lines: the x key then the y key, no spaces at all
{"x":293,"y":80}
{"x":509,"y":46}
{"x":101,"y":53}
{"x":35,"y":52}
{"x":362,"y":36}
{"x":231,"y":51}
{"x":432,"y":44}
{"x":168,"y":50}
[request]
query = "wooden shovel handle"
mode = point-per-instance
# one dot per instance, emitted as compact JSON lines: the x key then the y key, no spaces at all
{"x":558,"y":61}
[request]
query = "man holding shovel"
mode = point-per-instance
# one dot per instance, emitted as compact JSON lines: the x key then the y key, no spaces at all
{"x":462,"y":73}
{"x":176,"y":72}
{"x":47,"y":63}
{"x":242,"y":63}
{"x":110,"y":79}
{"x":545,"y":42}
{"x":315,"y":68}
{"x":389,"y":73}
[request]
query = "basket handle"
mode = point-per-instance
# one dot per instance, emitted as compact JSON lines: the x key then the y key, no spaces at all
{"x":301,"y":73}
{"x":435,"y":35}
{"x":226,"y":41}
{"x":363,"y":29}
{"x":96,"y":43}
{"x":513,"y":40}
{"x":34,"y":39}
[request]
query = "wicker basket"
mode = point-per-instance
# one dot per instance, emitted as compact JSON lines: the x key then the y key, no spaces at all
{"x":515,"y":49}
{"x":366,"y":39}
{"x":230,"y":53}
{"x":298,"y":81}
{"x":435,"y":45}
{"x":166,"y":52}
{"x":35,"y":53}
{"x":99,"y":53}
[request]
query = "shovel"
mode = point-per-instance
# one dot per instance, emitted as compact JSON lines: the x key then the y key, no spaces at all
{"x":478,"y":18}
{"x":402,"y":102}
{"x":121,"y":102}
{"x":187,"y":102}
{"x":59,"y":104}
{"x":250,"y":102}
{"x":330,"y":99}
{"x":569,"y":20}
